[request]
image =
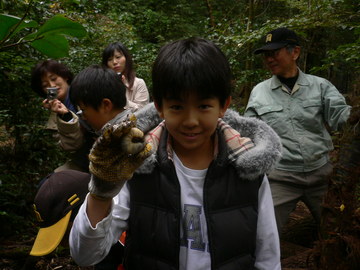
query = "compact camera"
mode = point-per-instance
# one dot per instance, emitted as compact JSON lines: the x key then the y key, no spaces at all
{"x":52,"y":93}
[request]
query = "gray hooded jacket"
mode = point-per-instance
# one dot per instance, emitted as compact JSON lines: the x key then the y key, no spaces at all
{"x":255,"y":162}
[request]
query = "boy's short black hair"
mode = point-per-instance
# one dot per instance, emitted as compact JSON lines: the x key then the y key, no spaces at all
{"x":52,"y":66}
{"x":95,"y":83}
{"x":191,"y":65}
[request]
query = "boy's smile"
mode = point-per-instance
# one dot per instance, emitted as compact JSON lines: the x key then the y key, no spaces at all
{"x":191,"y":123}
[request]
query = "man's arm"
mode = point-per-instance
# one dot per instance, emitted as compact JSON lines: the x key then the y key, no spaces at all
{"x":335,"y":110}
{"x":250,"y":110}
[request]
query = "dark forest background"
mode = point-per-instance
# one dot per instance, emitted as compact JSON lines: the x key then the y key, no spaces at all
{"x":76,"y":31}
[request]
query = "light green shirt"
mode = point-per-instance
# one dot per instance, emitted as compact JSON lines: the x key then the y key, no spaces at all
{"x":300,"y":118}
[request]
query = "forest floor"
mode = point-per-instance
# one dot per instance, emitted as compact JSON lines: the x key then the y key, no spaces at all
{"x":296,"y":248}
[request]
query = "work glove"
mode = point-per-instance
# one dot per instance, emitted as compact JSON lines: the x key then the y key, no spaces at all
{"x":114,"y":157}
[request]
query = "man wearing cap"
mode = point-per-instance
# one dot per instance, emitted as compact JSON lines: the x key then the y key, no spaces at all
{"x":298,"y":107}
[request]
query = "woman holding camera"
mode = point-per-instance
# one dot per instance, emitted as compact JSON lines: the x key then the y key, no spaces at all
{"x":117,"y":57}
{"x":51,"y":80}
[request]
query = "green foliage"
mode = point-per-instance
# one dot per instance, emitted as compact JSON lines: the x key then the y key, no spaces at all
{"x":344,"y":54}
{"x":77,"y":31}
{"x":27,"y":151}
{"x":12,"y":25}
{"x":48,"y":39}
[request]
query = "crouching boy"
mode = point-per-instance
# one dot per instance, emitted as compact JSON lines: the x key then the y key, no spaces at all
{"x":197,"y":195}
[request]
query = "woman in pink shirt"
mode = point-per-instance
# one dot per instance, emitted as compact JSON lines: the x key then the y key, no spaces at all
{"x":117,"y":57}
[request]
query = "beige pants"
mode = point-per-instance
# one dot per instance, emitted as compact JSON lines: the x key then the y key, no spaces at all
{"x":288,"y":188}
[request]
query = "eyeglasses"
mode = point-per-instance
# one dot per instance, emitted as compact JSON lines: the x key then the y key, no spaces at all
{"x":272,"y":53}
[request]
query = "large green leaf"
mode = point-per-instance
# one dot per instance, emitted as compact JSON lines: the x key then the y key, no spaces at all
{"x":9,"y":21}
{"x":6,"y":22}
{"x":25,"y":24}
{"x":54,"y":46}
{"x":57,"y":25}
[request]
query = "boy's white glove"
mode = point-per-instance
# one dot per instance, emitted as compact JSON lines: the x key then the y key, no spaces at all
{"x":114,"y":157}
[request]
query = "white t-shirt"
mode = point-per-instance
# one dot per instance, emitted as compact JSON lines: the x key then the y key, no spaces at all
{"x":194,"y":251}
{"x":90,"y":245}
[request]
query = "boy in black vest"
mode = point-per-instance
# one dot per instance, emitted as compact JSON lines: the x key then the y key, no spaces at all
{"x":192,"y":193}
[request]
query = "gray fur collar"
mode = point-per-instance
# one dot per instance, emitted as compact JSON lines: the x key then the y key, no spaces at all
{"x":256,"y":161}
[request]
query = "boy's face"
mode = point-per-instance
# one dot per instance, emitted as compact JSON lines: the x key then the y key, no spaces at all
{"x":192,"y":122}
{"x":96,"y":118}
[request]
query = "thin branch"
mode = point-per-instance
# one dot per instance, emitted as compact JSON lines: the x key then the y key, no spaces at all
{"x":264,"y":11}
{"x":208,"y":5}
{"x":6,"y":47}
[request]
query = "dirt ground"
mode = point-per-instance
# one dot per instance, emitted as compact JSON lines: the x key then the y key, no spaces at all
{"x":295,"y":248}
{"x":297,"y":240}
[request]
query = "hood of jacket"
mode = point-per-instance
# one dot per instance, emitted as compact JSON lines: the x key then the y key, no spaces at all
{"x":258,"y":160}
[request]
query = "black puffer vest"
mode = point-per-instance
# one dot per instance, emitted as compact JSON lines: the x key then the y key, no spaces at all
{"x":231,"y":210}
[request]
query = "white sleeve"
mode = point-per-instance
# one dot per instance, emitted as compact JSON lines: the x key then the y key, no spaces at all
{"x":89,"y":245}
{"x":267,"y":239}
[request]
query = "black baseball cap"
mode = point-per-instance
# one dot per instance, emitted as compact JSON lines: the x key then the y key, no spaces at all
{"x":277,"y":39}
{"x":56,"y":203}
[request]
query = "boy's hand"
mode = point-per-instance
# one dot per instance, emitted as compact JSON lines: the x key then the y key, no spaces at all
{"x":115,"y":155}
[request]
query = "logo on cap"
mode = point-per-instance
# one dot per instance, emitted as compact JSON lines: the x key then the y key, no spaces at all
{"x":268,"y":38}
{"x":73,"y":199}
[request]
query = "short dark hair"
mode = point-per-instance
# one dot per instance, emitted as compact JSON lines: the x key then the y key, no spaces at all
{"x":52,"y":66}
{"x":121,"y":48}
{"x":191,"y":65}
{"x":95,"y":83}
